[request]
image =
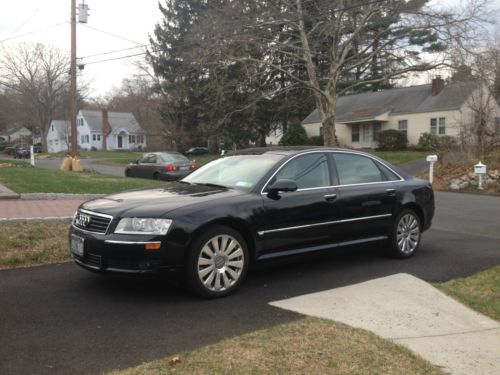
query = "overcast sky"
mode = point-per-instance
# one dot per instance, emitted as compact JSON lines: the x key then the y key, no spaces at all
{"x":130,"y":20}
{"x":48,"y":22}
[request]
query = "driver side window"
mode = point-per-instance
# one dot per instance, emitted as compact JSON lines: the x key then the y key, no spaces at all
{"x":308,"y":171}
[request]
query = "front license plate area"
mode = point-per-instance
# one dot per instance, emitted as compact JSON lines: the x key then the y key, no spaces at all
{"x":77,"y":245}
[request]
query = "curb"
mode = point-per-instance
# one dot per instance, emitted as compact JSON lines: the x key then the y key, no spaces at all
{"x":57,"y":196}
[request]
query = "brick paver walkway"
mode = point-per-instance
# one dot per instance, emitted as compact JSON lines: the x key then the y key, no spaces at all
{"x":38,"y":209}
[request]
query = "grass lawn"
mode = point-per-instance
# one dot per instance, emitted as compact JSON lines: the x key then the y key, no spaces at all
{"x":306,"y":346}
{"x":33,"y":243}
{"x":35,"y":180}
{"x":94,"y":154}
{"x":480,"y":291}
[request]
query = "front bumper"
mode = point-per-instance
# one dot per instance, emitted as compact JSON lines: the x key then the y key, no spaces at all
{"x":124,"y":254}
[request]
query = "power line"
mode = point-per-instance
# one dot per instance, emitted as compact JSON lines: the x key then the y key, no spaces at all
{"x":24,"y":23}
{"x":33,"y":32}
{"x":115,"y":35}
{"x":111,"y":52}
{"x":115,"y":58}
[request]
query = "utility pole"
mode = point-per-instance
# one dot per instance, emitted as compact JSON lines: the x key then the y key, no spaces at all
{"x":73,"y":79}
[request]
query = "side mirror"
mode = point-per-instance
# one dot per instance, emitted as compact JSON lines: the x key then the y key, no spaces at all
{"x":136,"y":161}
{"x":282,"y":185}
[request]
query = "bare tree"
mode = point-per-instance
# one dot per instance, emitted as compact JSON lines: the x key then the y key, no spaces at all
{"x":343,"y":45}
{"x":39,"y":74}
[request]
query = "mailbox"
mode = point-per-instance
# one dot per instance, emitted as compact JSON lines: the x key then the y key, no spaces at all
{"x":480,"y":168}
{"x":432,"y":158}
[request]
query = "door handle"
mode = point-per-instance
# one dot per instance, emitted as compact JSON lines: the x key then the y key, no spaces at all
{"x":330,"y":197}
{"x":390,"y":192}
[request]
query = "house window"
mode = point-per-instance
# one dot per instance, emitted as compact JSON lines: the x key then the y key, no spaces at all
{"x":94,"y":137}
{"x":442,"y":125}
{"x":98,"y":137}
{"x":131,"y":138}
{"x":403,"y":125}
{"x":355,"y":133}
{"x":376,"y":131}
{"x":320,"y":131}
{"x":52,"y":127}
{"x":87,"y":138}
{"x":433,"y":125}
{"x":82,"y":139}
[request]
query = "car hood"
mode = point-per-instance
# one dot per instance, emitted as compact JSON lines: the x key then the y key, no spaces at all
{"x":156,"y":202}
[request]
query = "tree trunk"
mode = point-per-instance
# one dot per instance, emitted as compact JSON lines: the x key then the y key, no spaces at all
{"x":327,"y":110}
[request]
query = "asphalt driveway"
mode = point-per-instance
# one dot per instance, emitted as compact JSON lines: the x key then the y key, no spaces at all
{"x":60,"y":319}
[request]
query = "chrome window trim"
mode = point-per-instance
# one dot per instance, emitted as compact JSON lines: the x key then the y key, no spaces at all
{"x":132,"y":242}
{"x":263,"y":232}
{"x":340,"y":185}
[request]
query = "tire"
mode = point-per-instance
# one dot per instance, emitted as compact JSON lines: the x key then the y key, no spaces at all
{"x":127,"y":173}
{"x":212,"y":272}
{"x":156,"y":176}
{"x":406,"y":234}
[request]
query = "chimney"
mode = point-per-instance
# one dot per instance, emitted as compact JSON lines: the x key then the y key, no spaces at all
{"x":106,"y":128}
{"x":437,"y":85}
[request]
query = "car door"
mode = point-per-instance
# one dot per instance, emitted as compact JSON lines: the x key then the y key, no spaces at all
{"x":300,"y":220}
{"x":143,"y":166}
{"x":365,"y":194}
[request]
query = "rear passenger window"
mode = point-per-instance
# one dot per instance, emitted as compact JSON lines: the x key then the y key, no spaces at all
{"x":390,"y":175}
{"x":356,"y":169}
{"x":308,"y":171}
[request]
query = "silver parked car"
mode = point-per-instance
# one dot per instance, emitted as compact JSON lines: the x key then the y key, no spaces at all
{"x":168,"y":166}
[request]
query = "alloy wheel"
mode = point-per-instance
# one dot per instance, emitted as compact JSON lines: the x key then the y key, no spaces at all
{"x":408,"y":233}
{"x":220,"y":263}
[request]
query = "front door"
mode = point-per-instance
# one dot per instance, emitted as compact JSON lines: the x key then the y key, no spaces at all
{"x":120,"y":141}
{"x":301,"y":220}
{"x":366,"y":136}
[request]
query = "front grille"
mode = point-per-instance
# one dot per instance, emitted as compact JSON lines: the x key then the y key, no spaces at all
{"x":92,"y":222}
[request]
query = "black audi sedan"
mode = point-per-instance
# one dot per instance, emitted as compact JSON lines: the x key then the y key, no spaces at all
{"x":168,"y":166}
{"x":243,"y":209}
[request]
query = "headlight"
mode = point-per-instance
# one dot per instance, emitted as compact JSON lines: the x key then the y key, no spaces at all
{"x":136,"y":225}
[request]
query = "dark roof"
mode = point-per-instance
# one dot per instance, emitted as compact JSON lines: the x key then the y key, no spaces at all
{"x":117,"y":120}
{"x":414,"y":99}
{"x":14,"y":129}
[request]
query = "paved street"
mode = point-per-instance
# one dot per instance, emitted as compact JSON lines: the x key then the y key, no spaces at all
{"x":60,"y":319}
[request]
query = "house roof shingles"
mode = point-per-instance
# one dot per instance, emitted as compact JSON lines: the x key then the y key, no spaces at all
{"x":414,"y":99}
{"x":117,"y":120}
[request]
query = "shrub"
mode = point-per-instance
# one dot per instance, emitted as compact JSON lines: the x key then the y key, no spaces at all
{"x":428,"y":142}
{"x":316,"y":140}
{"x":294,"y":136}
{"x":392,"y":140}
{"x":447,"y":143}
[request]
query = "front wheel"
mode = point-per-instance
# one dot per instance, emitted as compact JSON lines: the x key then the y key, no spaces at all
{"x":406,"y":232}
{"x":217,"y":263}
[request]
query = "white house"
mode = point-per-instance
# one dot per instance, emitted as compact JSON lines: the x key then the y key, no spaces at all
{"x":59,"y":136}
{"x":432,"y":108}
{"x":103,"y":130}
{"x":17,"y":133}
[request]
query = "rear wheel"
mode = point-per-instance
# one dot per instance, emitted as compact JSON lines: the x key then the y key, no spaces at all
{"x":156,"y":176}
{"x":406,"y":232}
{"x":217,"y":263}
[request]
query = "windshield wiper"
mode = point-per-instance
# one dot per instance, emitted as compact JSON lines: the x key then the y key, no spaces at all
{"x":210,"y":185}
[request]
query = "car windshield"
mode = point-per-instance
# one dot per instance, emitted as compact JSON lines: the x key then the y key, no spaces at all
{"x":171,"y":158}
{"x":240,"y":172}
